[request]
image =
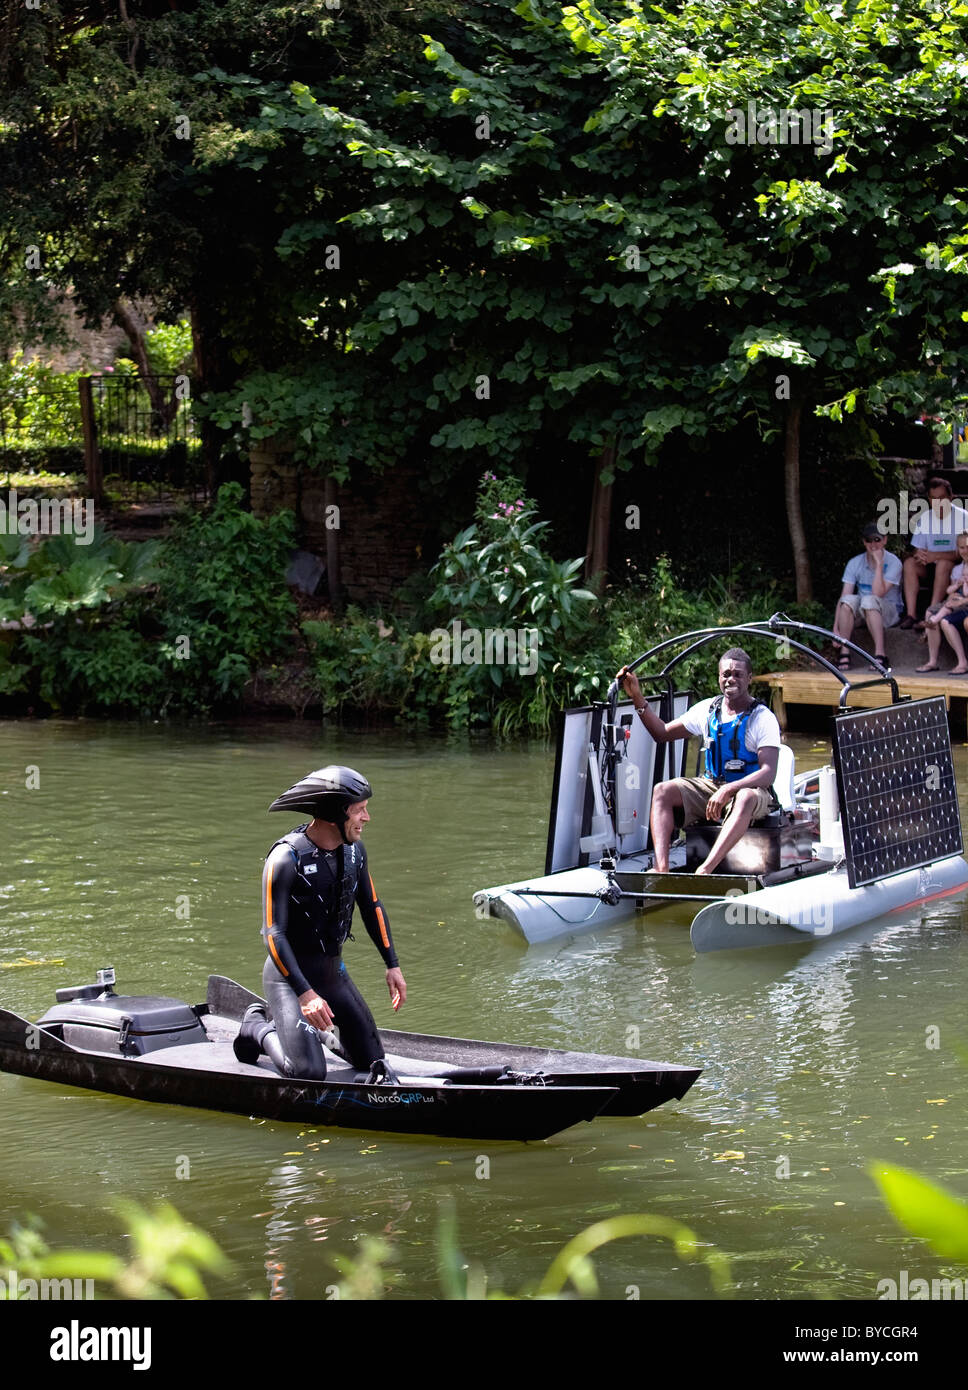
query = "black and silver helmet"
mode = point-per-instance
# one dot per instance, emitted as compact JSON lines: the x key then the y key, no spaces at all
{"x":326,"y":794}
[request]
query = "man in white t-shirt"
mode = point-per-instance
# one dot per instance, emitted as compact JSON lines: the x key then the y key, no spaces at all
{"x":871,"y":593}
{"x":933,"y":541}
{"x":741,"y":738}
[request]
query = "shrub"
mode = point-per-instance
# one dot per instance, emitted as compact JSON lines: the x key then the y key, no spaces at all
{"x":144,"y":628}
{"x":223,"y":603}
{"x":363,"y":665}
{"x":37,"y":404}
{"x":498,"y":576}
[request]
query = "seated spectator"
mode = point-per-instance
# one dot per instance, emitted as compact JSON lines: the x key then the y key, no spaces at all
{"x":932,"y":543}
{"x":876,"y":576}
{"x":950,"y":616}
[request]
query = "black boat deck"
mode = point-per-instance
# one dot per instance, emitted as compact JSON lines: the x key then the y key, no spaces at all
{"x":438,"y":1057}
{"x":215,"y":1055}
{"x":465,"y":1052}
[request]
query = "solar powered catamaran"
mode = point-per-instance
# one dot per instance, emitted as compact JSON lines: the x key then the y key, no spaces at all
{"x":877,"y":831}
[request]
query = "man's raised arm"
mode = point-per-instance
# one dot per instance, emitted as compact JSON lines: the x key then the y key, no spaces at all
{"x":658,"y":728}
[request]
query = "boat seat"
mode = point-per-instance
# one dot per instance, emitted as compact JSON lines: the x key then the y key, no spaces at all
{"x":783,"y":782}
{"x":759,"y":851}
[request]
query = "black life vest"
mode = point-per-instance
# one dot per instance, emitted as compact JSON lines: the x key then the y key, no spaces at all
{"x":325,"y":904}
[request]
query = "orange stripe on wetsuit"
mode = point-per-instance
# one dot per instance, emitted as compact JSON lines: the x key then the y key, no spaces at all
{"x":380,"y":915}
{"x":267,"y":929}
{"x":374,"y":915}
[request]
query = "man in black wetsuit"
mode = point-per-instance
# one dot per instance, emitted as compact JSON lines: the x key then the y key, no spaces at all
{"x":313,"y":877}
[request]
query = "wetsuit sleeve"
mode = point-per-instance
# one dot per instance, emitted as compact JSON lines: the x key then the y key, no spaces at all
{"x":278,"y":878}
{"x":374,"y":916}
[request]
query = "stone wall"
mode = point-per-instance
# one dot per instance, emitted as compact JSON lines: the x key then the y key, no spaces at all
{"x":92,"y":349}
{"x":273,"y":478}
{"x":383,"y":527}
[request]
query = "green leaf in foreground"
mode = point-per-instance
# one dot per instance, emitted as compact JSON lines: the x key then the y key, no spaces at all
{"x":572,"y":1263}
{"x":925,"y":1210}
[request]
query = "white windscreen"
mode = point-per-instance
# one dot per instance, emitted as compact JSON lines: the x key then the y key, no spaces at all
{"x":573,"y":796}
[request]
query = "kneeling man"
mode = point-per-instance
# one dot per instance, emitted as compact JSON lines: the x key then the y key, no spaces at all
{"x":741,"y":740}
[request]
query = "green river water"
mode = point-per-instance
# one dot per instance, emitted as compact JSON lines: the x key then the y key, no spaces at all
{"x":816,"y":1060}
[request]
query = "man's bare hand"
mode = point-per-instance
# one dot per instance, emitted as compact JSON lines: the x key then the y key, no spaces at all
{"x":397,"y":986}
{"x":717,"y":803}
{"x":315,"y":1010}
{"x":630,"y":684}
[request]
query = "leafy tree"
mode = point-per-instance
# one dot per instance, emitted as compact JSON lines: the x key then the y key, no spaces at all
{"x":832,"y":284}
{"x":526,"y":232}
{"x":497,"y":316}
{"x":581,"y":255}
{"x":113,"y":177}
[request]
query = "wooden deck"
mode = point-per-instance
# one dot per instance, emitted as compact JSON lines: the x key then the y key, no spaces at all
{"x":819,"y":688}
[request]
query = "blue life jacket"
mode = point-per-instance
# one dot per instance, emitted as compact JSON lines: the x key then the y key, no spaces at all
{"x":324,"y":907}
{"x":727,"y":756}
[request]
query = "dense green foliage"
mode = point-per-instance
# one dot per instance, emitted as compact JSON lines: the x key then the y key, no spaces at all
{"x":226,"y":605}
{"x":39,"y":408}
{"x":146,"y":628}
{"x":557,"y":245}
{"x":505,"y":639}
{"x":502,"y":617}
{"x":523,"y":235}
{"x":368,"y":665}
{"x":71,"y":592}
{"x":116,"y":175}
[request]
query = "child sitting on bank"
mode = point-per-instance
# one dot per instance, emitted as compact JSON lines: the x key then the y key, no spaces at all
{"x":949,"y":617}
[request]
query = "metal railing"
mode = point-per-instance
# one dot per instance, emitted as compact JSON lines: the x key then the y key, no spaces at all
{"x":140,"y":436}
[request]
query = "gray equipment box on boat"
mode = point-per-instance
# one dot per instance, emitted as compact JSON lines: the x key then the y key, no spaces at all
{"x":126,"y":1024}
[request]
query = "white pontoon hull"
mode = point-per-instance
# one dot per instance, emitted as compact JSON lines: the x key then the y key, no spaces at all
{"x":551,"y":917}
{"x":819,"y":907}
{"x":815,"y":907}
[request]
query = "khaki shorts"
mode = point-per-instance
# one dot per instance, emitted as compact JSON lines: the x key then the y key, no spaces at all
{"x":887,"y":607}
{"x":696,"y":791}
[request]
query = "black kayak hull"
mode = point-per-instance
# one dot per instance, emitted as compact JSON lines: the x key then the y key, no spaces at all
{"x":455,"y":1112}
{"x":207,"y":1074}
{"x":639,"y":1085}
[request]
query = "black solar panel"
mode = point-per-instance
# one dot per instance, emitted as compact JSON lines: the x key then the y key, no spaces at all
{"x":898,"y":794}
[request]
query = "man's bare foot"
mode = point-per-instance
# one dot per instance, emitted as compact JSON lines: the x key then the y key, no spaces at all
{"x":959,"y":670}
{"x":929,"y":667}
{"x":703,"y":870}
